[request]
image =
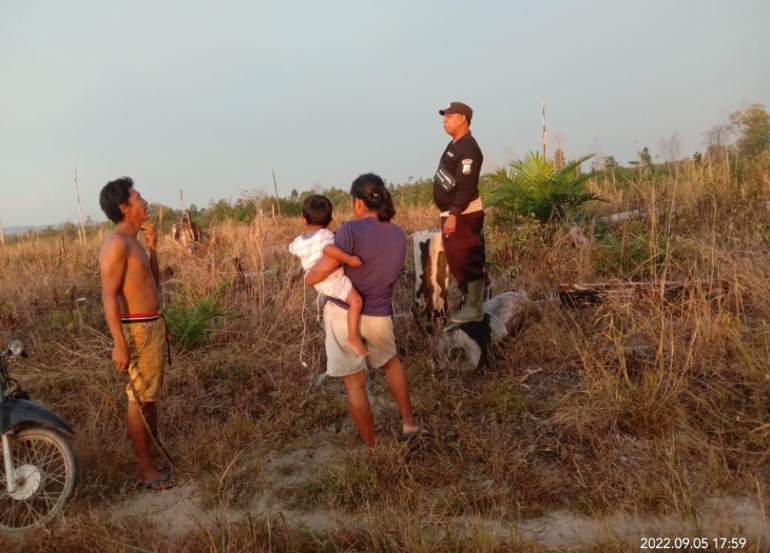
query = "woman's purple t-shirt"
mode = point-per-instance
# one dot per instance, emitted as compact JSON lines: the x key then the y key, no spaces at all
{"x":382,"y":248}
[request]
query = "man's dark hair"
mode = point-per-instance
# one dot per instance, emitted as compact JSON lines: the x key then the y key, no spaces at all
{"x":114,"y":194}
{"x":317,"y":210}
{"x":372,"y":190}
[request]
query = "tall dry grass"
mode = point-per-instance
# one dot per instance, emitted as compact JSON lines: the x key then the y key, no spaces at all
{"x":646,"y":406}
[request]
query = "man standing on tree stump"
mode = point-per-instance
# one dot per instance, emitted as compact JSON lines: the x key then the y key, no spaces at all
{"x":456,"y":194}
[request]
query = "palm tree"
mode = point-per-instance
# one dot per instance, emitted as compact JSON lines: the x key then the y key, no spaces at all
{"x":534,"y":186}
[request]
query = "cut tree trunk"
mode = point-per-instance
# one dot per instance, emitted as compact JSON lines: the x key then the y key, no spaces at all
{"x":465,"y":347}
{"x":431,"y":278}
{"x":186,"y":231}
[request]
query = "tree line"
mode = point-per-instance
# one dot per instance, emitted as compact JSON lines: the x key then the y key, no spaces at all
{"x":534,"y":186}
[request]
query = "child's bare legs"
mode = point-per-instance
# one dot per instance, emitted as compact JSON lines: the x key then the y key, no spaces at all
{"x":355,"y":304}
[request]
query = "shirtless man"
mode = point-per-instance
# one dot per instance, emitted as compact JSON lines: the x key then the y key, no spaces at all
{"x":130,"y":300}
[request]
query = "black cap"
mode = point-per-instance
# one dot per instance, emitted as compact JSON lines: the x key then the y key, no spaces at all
{"x":458,"y":107}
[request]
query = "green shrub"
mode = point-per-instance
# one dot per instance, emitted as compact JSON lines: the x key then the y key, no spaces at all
{"x":190,"y":322}
{"x":535,"y":186}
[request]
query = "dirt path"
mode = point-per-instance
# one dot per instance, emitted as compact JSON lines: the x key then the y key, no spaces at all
{"x":180,"y":510}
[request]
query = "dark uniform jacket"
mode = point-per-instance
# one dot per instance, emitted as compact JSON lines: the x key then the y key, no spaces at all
{"x":456,"y":183}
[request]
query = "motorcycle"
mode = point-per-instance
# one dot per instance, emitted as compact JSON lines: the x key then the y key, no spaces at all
{"x":40,"y":468}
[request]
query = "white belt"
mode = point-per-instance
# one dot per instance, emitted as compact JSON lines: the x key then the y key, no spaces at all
{"x":473,"y":207}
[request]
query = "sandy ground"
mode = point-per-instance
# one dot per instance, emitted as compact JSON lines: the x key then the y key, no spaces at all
{"x":180,"y":510}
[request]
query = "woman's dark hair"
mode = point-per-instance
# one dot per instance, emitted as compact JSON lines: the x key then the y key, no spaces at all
{"x":372,"y":190}
{"x":114,"y":194}
{"x":317,"y":210}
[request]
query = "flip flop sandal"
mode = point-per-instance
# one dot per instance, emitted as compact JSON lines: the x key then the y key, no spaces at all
{"x":158,"y":484}
{"x":415,"y":435}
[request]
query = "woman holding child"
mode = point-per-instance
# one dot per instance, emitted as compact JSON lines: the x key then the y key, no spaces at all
{"x":381,"y":246}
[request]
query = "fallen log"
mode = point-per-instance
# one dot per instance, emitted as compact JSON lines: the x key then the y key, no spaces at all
{"x":579,"y":295}
{"x":465,"y":347}
{"x":637,"y":214}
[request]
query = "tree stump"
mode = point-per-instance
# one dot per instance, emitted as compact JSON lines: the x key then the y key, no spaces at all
{"x":465,"y":347}
{"x":186,"y":231}
{"x":431,"y":277}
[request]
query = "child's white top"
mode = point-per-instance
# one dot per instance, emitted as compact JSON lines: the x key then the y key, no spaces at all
{"x":310,"y":249}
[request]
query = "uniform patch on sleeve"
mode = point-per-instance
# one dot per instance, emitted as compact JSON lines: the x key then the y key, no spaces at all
{"x":467,"y":166}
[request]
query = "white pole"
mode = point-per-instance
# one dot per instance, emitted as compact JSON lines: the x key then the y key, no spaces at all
{"x":545,"y":138}
{"x":80,"y":210}
{"x":277,"y":200}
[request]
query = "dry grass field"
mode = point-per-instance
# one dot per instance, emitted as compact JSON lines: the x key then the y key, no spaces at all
{"x":593,"y":427}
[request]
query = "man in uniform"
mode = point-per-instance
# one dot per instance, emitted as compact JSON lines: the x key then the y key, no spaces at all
{"x":130,"y":300}
{"x":456,"y":194}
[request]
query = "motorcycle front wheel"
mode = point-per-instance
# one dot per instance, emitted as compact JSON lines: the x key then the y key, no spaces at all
{"x":46,"y":474}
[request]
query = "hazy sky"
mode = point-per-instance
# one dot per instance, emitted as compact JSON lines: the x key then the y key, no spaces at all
{"x":207,"y":97}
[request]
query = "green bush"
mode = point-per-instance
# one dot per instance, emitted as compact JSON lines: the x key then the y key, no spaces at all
{"x":535,"y":186}
{"x":190,"y":322}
